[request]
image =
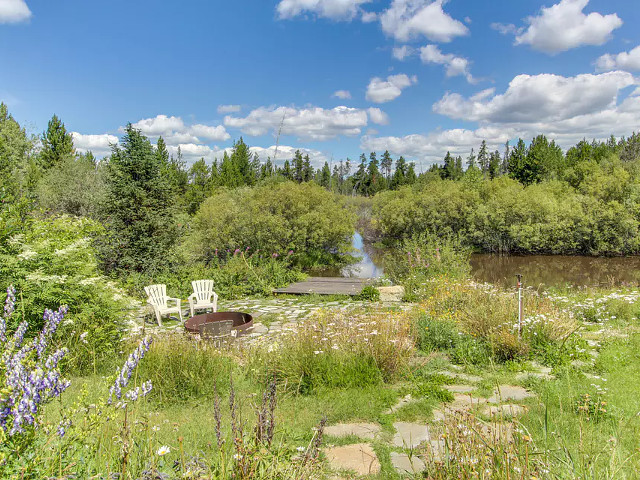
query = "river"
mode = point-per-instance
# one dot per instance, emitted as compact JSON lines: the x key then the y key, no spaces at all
{"x":537,"y":270}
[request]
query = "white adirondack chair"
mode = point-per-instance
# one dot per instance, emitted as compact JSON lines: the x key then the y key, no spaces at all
{"x":160,"y":302}
{"x":203,"y":296}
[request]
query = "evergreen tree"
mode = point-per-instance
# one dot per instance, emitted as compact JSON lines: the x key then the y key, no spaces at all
{"x":307,"y":169}
{"x":199,"y":185}
{"x":517,"y":159}
{"x":411,"y":177}
{"x":471,"y":160}
{"x":57,"y":144}
{"x":400,"y":174}
{"x":494,"y":164}
{"x":373,"y":179}
{"x":138,"y":210}
{"x":386,"y":164}
{"x":229,"y":176}
{"x":298,"y":167}
{"x":243,"y":165}
{"x":360,"y":177}
{"x":325,"y":175}
{"x":483,"y":158}
{"x":286,"y":170}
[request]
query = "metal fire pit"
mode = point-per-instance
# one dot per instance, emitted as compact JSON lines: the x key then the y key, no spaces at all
{"x":241,"y":321}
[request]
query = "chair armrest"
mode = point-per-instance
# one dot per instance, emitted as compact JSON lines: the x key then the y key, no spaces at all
{"x":193,"y":299}
{"x":215,"y":296}
{"x":177,"y":300}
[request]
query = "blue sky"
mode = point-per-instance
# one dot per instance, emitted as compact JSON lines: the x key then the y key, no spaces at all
{"x":416,"y":77}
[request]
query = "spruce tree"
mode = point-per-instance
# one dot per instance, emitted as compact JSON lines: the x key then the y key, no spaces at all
{"x":138,"y":210}
{"x":57,"y":144}
{"x":483,"y":158}
{"x":298,"y":167}
{"x":386,"y":164}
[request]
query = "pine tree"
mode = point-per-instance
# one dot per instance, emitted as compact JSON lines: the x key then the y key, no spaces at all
{"x":57,"y":144}
{"x":307,"y":169}
{"x":199,"y":185}
{"x":286,"y":170}
{"x":298,"y":167}
{"x":400,"y":174}
{"x":494,"y":164}
{"x":471,"y":160}
{"x":325,"y":175}
{"x":386,"y":164}
{"x":373,"y":183}
{"x":483,"y":158}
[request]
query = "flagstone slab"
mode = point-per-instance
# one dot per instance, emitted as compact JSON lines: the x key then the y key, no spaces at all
{"x":509,"y":392}
{"x":459,"y":388}
{"x":359,"y":458}
{"x":403,"y":463}
{"x":362,"y":430}
{"x":410,"y":435}
{"x":508,"y":410}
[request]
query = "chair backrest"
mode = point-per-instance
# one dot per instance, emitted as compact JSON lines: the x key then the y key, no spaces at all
{"x":217,"y":329}
{"x":157,"y":294}
{"x":202,"y":289}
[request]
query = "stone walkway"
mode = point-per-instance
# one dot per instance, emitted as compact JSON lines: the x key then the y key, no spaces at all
{"x":269,"y":314}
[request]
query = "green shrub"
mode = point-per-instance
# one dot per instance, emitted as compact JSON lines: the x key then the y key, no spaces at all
{"x":369,"y":293}
{"x":53,"y":263}
{"x":305,"y":221}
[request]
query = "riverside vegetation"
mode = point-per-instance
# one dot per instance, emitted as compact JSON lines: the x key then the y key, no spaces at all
{"x":84,"y":396}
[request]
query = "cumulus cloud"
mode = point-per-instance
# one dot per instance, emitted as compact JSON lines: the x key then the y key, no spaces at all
{"x":629,"y":61}
{"x":14,"y":11}
{"x":400,"y":53}
{"x":405,"y":20}
{"x":377,"y":116}
{"x":332,"y":9}
{"x":368,"y":17}
{"x":229,"y":108}
{"x":433,"y":146}
{"x":454,"y":65}
{"x":343,"y":94}
{"x":381,"y":91}
{"x":175,"y":131}
{"x":100,"y":145}
{"x":311,"y":123}
{"x":565,"y":108}
{"x":564,"y":26}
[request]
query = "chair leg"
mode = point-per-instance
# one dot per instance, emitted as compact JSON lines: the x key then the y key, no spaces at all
{"x":159,"y":318}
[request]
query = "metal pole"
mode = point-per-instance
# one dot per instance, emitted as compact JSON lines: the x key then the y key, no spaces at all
{"x":520,"y":305}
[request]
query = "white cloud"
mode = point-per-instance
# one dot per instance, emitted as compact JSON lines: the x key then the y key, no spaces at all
{"x":174,"y":130}
{"x":332,"y":9}
{"x":192,"y":152}
{"x":368,"y":17}
{"x":286,"y":153}
{"x":377,"y":116}
{"x":217,"y":133}
{"x":160,"y":125}
{"x":381,"y":91}
{"x":311,"y":123}
{"x":454,"y":65}
{"x":229,"y":108}
{"x":629,"y":61}
{"x":564,"y":26}
{"x":405,"y":20}
{"x":433,"y":147}
{"x":400,"y":53}
{"x":100,"y":145}
{"x":565,"y":108}
{"x":507,"y":29}
{"x":14,"y":11}
{"x":343,"y":94}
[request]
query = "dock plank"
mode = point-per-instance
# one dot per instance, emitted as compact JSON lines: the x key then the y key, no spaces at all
{"x":327,"y":286}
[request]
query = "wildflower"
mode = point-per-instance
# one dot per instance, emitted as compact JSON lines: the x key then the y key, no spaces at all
{"x":163,"y":450}
{"x":122,"y":380}
{"x":83,"y":337}
{"x":155,"y":428}
{"x":301,"y":449}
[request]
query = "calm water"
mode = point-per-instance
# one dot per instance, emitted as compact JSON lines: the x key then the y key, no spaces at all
{"x":537,"y":270}
{"x":556,"y":270}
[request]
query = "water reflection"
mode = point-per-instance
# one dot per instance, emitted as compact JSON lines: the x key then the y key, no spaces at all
{"x":366,"y":267}
{"x":556,"y":270}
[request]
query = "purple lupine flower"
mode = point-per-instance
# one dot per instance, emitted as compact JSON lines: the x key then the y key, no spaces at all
{"x":18,"y":336}
{"x":122,"y":380}
{"x":30,"y":379}
{"x":9,"y":308}
{"x":146,"y":388}
{"x":62,"y":427}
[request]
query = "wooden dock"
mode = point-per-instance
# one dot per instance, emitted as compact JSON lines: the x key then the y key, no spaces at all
{"x":327,"y":286}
